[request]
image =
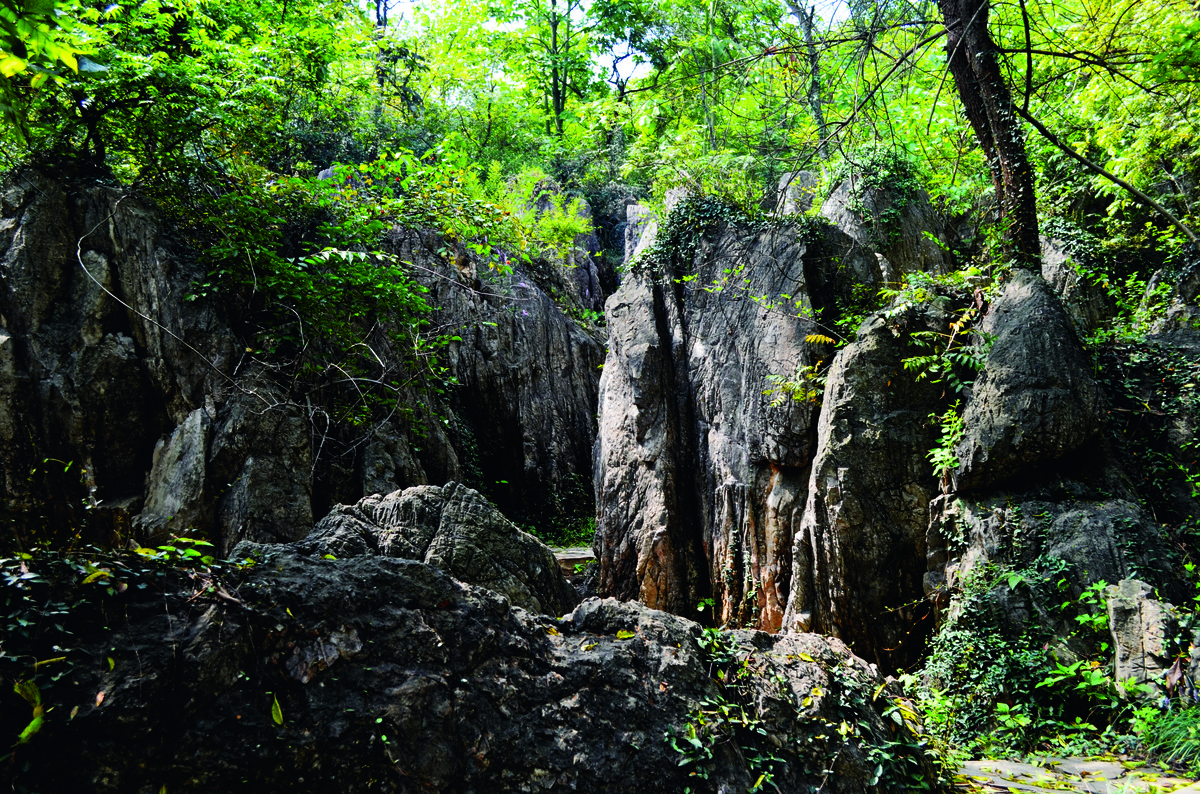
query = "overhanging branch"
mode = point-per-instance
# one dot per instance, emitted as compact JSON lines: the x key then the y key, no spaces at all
{"x":1133,"y":191}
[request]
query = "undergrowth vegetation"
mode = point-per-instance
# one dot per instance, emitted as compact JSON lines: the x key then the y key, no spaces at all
{"x":742,"y":722}
{"x":303,"y":148}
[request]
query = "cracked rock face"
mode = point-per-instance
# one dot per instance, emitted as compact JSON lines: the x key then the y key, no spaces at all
{"x":1035,"y":401}
{"x":383,"y":674}
{"x":156,"y":414}
{"x":452,"y":528}
{"x":859,"y":557}
{"x":699,"y":478}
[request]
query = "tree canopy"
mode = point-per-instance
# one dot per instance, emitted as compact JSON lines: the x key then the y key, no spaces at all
{"x":1061,"y":107}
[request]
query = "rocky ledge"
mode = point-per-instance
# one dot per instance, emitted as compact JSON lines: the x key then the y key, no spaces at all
{"x":300,"y":674}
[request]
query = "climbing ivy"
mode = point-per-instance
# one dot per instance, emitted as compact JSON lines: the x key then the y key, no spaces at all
{"x":990,"y":687}
{"x":1154,"y":391}
{"x":883,"y":171}
{"x":739,"y":714}
{"x":679,"y":234}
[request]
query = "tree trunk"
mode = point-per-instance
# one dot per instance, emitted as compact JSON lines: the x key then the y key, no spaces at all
{"x":558,"y":76}
{"x":806,"y":18}
{"x":973,"y":62}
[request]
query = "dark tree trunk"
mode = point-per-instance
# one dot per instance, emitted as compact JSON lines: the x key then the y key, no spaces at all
{"x":806,"y":18}
{"x":974,"y":64}
{"x":558,"y":71}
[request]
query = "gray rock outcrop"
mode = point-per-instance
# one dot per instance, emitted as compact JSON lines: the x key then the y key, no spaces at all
{"x":453,"y":528}
{"x":797,"y":192}
{"x":1099,"y":539}
{"x":699,"y":479}
{"x":1143,"y":631}
{"x":141,"y":413}
{"x":525,"y":404}
{"x":314,"y":675}
{"x":1088,"y":305}
{"x":902,"y":238}
{"x":1035,"y":401}
{"x":859,"y":555}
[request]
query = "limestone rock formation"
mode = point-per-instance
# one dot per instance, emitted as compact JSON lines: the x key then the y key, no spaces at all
{"x":1035,"y":401}
{"x":1143,"y":630}
{"x":314,"y":675}
{"x":699,"y":479}
{"x":129,"y":409}
{"x":1087,"y":304}
{"x":1098,"y":539}
{"x":528,"y":380}
{"x":452,"y":528}
{"x":859,"y":556}
{"x":903,"y":242}
{"x":797,"y":192}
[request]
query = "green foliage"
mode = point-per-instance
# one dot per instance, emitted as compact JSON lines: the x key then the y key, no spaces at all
{"x":878,"y":172}
{"x":949,"y":357}
{"x":1153,"y":389}
{"x":1138,"y":308}
{"x":34,"y":42}
{"x":732,"y":717}
{"x":993,"y":689}
{"x":567,"y":532}
{"x":1174,"y":737}
{"x":955,"y":364}
{"x":680,"y":233}
{"x":738,"y":718}
{"x":943,"y":456}
{"x":551,"y":219}
{"x":806,"y":384}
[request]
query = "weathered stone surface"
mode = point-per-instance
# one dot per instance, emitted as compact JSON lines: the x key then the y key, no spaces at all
{"x":700,"y":482}
{"x":98,"y":379}
{"x":1035,"y":401}
{"x":387,"y":675}
{"x":95,"y":369}
{"x":637,"y":221}
{"x":1101,"y":539}
{"x":525,"y":406}
{"x":262,"y":453}
{"x":1087,"y":304}
{"x":1142,"y":630}
{"x":175,"y":497}
{"x":859,"y":555}
{"x":699,"y":479}
{"x":902,"y":243}
{"x":797,"y":192}
{"x":452,"y":528}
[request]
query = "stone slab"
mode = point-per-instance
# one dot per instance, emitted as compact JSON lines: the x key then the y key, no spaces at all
{"x":1083,"y":776}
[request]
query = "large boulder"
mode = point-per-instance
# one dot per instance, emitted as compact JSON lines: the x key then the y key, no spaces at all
{"x":452,"y":528}
{"x":903,"y":229}
{"x":132,"y":406}
{"x":1036,"y":400}
{"x":1087,"y":303}
{"x":1144,"y":631}
{"x":859,"y":557}
{"x":699,"y":476}
{"x":301,"y":674}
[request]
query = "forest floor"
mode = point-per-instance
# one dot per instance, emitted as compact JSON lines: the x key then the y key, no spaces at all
{"x":1050,"y":774}
{"x":1088,"y":776}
